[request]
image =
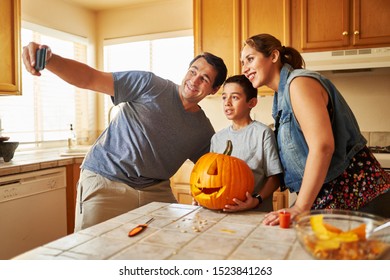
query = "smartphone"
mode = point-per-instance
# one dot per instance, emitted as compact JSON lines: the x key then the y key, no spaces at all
{"x":40,"y":59}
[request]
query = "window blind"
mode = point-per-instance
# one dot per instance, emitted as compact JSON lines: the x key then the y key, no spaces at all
{"x":42,"y":115}
{"x":167,"y":55}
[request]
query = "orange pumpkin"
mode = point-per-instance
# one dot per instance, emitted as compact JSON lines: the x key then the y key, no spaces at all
{"x":218,"y":178}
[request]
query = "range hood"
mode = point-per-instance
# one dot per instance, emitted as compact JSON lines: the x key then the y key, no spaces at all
{"x":347,"y":59}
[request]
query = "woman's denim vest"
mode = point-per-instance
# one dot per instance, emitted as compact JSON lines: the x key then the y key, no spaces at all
{"x":293,"y":149}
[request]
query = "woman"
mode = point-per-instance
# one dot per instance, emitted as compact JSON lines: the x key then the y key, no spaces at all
{"x":324,"y":156}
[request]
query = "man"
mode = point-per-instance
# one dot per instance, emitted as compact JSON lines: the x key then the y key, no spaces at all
{"x":158,"y":127}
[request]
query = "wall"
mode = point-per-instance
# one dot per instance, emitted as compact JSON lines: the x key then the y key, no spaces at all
{"x":148,"y":18}
{"x":367,"y":93}
{"x":61,"y":16}
{"x":213,"y":108}
{"x":144,"y":18}
{"x":141,"y":19}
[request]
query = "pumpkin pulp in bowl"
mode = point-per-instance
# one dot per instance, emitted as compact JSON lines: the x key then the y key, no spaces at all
{"x":340,"y":234}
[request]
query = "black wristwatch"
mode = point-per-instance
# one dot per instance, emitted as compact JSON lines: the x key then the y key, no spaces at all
{"x":259,"y":198}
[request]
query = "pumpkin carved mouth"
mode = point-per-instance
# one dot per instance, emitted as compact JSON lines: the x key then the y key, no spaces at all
{"x":210,"y":190}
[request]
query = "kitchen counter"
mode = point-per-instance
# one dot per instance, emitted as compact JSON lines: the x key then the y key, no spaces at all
{"x":40,"y":159}
{"x":178,"y":231}
{"x":30,"y":161}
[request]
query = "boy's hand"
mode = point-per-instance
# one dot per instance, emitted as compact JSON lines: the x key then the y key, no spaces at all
{"x":249,"y":203}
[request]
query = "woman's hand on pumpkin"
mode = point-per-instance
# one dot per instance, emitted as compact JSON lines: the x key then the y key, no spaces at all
{"x":249,"y":203}
{"x":272,"y":218}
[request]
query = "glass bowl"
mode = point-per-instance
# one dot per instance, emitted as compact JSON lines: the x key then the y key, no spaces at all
{"x":342,"y":234}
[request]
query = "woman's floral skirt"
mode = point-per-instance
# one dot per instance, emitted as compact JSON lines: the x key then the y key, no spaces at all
{"x":362,"y":181}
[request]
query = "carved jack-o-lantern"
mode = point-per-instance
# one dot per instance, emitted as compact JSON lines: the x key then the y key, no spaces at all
{"x":218,"y":178}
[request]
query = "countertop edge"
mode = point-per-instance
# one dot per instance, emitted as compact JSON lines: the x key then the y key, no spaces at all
{"x":37,"y":160}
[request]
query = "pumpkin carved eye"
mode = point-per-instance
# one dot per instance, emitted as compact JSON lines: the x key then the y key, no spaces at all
{"x":213,"y":169}
{"x":218,"y":178}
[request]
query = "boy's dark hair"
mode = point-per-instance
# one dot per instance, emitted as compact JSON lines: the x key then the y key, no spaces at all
{"x":218,"y":65}
{"x":246,"y":85}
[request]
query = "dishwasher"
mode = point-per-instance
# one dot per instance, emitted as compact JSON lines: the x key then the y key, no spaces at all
{"x":32,"y":210}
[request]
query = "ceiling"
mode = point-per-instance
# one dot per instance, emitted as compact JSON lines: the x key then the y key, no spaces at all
{"x":99,"y":5}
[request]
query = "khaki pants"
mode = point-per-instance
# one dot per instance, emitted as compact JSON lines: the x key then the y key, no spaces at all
{"x":100,"y":199}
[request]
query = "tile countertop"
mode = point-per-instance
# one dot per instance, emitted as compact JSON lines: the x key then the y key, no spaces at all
{"x":178,"y":231}
{"x":41,"y":159}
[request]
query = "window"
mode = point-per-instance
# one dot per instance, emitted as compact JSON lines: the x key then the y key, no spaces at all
{"x":42,"y":115}
{"x":167,"y":55}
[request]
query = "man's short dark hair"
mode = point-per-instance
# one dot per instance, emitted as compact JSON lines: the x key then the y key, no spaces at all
{"x":218,"y":65}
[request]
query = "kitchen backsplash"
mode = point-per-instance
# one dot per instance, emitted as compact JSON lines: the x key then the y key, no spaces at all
{"x":381,"y":139}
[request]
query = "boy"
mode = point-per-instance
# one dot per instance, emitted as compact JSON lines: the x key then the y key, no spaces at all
{"x":253,"y":142}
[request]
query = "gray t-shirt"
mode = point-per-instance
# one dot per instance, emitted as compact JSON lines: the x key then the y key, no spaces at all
{"x":255,"y":144}
{"x":151,"y":136}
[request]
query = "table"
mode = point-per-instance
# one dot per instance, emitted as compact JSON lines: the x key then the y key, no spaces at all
{"x":178,"y":231}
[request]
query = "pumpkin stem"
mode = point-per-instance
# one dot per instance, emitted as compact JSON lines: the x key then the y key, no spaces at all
{"x":229,"y":148}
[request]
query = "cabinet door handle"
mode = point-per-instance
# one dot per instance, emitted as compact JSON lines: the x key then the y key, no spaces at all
{"x":345,"y":33}
{"x":356,"y":32}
